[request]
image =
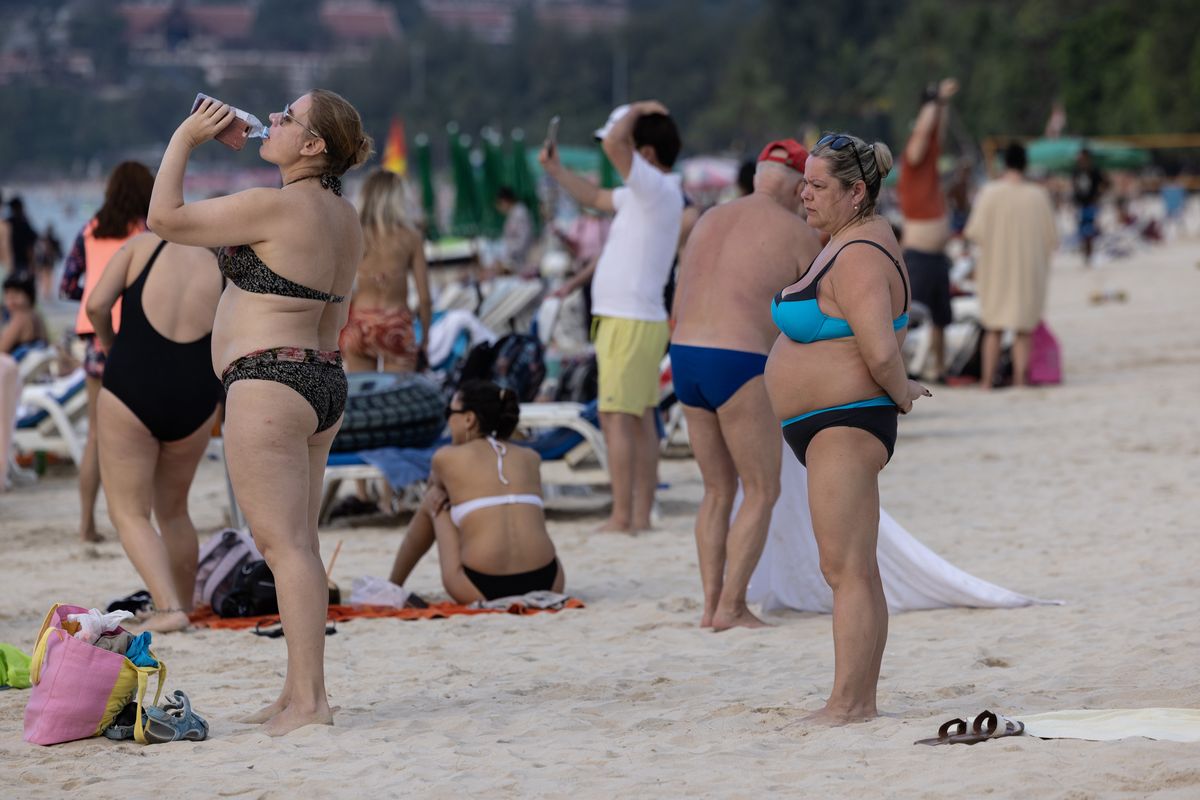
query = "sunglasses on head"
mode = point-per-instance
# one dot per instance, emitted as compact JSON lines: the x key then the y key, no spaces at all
{"x":287,"y":114}
{"x":840,"y":141}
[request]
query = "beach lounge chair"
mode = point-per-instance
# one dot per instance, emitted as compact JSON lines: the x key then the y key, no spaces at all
{"x":34,"y":360}
{"x":52,"y":417}
{"x":543,"y":416}
{"x":511,"y":304}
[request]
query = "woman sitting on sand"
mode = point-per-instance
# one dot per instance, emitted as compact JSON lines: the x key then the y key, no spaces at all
{"x":483,"y":505}
{"x":157,"y":408}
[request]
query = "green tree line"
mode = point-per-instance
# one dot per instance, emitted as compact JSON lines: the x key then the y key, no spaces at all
{"x":735,"y":73}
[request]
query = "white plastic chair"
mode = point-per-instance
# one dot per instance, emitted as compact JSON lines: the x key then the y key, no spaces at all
{"x":53,"y":417}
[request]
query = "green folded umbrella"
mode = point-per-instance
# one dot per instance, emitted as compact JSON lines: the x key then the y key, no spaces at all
{"x":521,"y":179}
{"x":493,"y":179}
{"x":609,"y":177}
{"x":467,"y":217}
{"x":428,"y":197}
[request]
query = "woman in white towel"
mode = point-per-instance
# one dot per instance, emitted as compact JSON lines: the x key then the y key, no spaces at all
{"x":483,"y":506}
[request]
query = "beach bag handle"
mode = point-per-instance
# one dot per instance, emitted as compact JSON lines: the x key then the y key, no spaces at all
{"x":143,"y":678}
{"x":39,"y":652}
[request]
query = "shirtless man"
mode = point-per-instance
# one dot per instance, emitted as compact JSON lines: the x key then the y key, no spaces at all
{"x":926,"y":222}
{"x":738,"y":255}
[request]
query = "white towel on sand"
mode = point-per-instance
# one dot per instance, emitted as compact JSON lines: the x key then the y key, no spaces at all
{"x":1108,"y":724}
{"x":788,"y":574}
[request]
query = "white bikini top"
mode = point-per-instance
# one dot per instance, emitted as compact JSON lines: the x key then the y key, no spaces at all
{"x":460,"y":511}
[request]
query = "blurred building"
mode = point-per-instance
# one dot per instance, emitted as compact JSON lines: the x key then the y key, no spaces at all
{"x":493,"y":21}
{"x":219,"y":38}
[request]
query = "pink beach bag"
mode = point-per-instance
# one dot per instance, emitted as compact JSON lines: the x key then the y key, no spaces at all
{"x":1045,"y":357}
{"x":78,"y":688}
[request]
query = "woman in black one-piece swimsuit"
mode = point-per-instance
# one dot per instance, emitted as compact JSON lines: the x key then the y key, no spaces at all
{"x":157,"y":408}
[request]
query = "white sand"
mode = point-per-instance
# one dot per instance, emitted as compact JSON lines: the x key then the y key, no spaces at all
{"x":1085,"y":492}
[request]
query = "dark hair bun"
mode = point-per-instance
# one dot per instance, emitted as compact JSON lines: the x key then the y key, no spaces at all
{"x":497,"y":408}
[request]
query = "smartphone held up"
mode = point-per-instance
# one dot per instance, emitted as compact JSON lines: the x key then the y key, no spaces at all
{"x":245,"y":126}
{"x":552,"y":134}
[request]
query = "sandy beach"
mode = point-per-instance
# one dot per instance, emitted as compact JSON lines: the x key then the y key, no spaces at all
{"x":1084,"y":492}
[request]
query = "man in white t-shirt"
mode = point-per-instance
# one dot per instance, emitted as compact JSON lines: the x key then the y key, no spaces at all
{"x":630,"y":319}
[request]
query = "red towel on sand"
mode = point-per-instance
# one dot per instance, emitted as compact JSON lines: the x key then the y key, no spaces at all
{"x":205,"y":617}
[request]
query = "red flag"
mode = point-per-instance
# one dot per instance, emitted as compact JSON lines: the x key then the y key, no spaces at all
{"x":395,"y":152}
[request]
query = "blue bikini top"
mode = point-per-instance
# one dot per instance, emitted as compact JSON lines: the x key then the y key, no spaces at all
{"x":800,"y":318}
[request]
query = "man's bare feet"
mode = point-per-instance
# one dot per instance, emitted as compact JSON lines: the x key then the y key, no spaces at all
{"x":90,"y":536}
{"x":161,"y":622}
{"x":742,"y":618}
{"x":292,"y":718}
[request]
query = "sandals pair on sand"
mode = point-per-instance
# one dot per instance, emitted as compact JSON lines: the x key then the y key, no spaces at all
{"x":985,"y":726}
{"x":173,"y":721}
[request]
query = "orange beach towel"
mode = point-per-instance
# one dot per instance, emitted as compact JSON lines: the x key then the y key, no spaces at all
{"x":205,"y":617}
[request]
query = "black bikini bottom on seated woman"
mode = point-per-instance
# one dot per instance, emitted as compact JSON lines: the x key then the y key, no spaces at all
{"x":880,"y":421}
{"x":495,"y":586}
{"x":316,"y":375}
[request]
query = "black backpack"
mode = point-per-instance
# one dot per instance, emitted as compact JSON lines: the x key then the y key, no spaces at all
{"x":251,"y":593}
{"x":578,"y":382}
{"x":516,"y":361}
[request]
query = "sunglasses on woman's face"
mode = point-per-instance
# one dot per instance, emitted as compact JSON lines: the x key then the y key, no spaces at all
{"x":287,"y":114}
{"x":450,"y":412}
{"x":838,"y":142}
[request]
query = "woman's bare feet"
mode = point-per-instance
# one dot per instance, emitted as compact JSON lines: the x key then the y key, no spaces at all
{"x":90,"y":536}
{"x":835,"y":717}
{"x":162,"y":622}
{"x":741,"y":618}
{"x":292,"y":717}
{"x":264,"y":714}
{"x":613,"y":526}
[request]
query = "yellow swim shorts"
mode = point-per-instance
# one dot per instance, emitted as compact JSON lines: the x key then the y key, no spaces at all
{"x":628,"y":352}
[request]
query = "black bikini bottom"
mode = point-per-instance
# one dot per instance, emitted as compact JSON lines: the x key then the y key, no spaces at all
{"x":316,"y":375}
{"x":494,"y":586}
{"x":880,"y":421}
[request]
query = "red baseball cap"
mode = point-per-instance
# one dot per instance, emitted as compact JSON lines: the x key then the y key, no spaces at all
{"x":794,"y":154}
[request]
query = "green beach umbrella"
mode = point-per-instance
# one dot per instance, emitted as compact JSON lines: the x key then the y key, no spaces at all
{"x":465,"y":220}
{"x":493,"y":179}
{"x":520,"y":177}
{"x":428,"y":198}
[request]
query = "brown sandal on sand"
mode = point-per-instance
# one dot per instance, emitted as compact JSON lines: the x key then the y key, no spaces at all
{"x":985,"y":726}
{"x":995,"y":726}
{"x":944,"y":736}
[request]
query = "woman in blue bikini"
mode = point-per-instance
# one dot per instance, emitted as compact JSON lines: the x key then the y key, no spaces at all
{"x":483,"y":506}
{"x":837,"y":381}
